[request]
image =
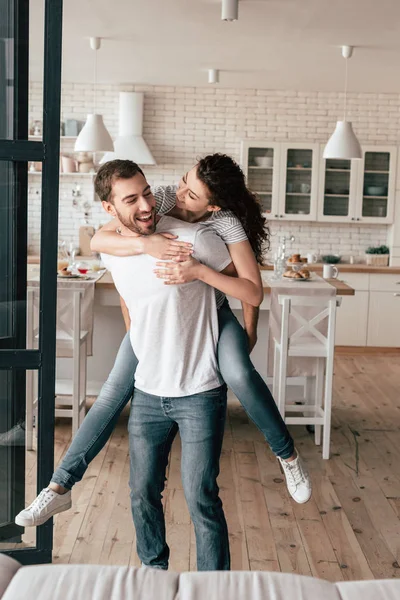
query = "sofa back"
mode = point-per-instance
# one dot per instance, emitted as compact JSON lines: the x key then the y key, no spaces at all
{"x":92,"y":582}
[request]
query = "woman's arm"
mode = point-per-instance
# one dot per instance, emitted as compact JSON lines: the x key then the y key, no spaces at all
{"x":159,"y":245}
{"x":250,"y":320}
{"x":247,"y":286}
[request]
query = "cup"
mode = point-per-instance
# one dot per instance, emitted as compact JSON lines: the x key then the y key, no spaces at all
{"x":330,"y":272}
{"x":289,"y":187}
{"x":305,"y":188}
{"x":68,"y":164}
{"x":311,"y":258}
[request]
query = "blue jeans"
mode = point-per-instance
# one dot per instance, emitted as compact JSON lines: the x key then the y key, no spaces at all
{"x":153,"y":424}
{"x":237,"y":371}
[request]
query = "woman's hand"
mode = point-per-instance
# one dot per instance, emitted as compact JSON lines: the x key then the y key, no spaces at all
{"x":251,"y":339}
{"x":165,"y":246}
{"x":176,"y":273}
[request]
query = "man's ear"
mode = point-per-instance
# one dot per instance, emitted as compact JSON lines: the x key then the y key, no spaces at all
{"x":213,"y":208}
{"x":109,"y":208}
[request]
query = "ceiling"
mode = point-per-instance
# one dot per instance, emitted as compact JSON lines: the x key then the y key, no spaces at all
{"x":275,"y":44}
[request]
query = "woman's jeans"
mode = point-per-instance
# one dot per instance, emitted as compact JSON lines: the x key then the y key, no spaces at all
{"x":153,"y":425}
{"x":236,"y":369}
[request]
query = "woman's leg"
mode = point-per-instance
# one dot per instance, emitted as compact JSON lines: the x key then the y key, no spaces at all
{"x":248,"y":385}
{"x":87,"y":443}
{"x":101,"y":418}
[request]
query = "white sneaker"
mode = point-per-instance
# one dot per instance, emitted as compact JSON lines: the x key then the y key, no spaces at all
{"x":47,"y":504}
{"x":297,"y":479}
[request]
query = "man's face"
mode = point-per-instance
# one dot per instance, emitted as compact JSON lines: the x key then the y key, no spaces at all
{"x":133,"y":204}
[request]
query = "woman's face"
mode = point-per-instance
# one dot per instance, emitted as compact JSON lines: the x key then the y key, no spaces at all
{"x":192,"y":194}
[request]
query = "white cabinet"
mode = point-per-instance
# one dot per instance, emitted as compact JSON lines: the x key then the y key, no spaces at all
{"x":352,"y":320}
{"x":352,"y":315}
{"x":338,"y":185}
{"x":359,"y":190}
{"x":376,"y":185}
{"x":284,"y":176}
{"x":298,"y":183}
{"x":384,"y":319}
{"x":260,"y":163}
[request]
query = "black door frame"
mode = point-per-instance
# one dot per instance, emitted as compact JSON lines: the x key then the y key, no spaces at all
{"x":21,"y":151}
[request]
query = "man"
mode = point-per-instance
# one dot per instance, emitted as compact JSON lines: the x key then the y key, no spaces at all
{"x":174,"y":334}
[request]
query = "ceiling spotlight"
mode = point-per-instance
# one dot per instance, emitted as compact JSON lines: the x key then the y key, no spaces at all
{"x":213,"y":76}
{"x":230,"y":10}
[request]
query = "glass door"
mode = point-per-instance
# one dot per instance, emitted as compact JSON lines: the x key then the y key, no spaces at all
{"x":338,"y":190}
{"x":22,"y":473}
{"x":260,"y":162}
{"x":299,"y":178}
{"x":377,"y":192}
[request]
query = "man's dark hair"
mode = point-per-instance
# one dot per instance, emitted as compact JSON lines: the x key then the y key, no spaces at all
{"x":110,"y":172}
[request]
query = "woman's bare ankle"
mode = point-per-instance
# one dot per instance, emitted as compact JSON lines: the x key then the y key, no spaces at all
{"x":59,"y":489}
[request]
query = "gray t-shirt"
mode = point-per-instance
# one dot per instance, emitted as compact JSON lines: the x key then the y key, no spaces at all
{"x":174,"y":331}
{"x":223,"y":222}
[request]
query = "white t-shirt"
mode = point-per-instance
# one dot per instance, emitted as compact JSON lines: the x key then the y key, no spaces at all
{"x":174,"y":330}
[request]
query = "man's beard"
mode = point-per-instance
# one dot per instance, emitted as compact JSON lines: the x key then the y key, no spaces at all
{"x":136,"y":226}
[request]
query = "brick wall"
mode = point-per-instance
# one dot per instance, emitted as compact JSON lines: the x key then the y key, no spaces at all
{"x":181,"y":124}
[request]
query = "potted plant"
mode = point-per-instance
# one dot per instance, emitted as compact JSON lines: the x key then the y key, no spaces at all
{"x":377,"y":256}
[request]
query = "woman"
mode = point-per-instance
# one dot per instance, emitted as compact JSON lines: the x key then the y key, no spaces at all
{"x":213,"y":192}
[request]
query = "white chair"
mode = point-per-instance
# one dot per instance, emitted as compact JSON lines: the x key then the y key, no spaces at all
{"x":300,"y":337}
{"x":71,"y":341}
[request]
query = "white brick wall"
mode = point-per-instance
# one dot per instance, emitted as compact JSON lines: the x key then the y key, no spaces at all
{"x":181,"y":124}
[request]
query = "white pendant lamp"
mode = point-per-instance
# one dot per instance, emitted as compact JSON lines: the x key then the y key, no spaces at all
{"x":343,"y":143}
{"x":94,"y":136}
{"x":230,"y":10}
{"x":130,"y":144}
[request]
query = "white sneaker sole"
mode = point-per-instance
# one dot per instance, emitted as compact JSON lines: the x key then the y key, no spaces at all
{"x":27,"y":523}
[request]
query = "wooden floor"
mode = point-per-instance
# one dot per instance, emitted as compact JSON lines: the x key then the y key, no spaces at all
{"x":350,"y":529}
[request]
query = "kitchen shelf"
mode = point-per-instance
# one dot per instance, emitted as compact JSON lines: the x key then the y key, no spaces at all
{"x":375,"y":197}
{"x":297,"y":194}
{"x":299,"y":169}
{"x":262,"y":193}
{"x":378,"y":172}
{"x":62,"y":137}
{"x":260,"y":168}
{"x":64,"y":174}
{"x":338,"y":170}
{"x":336,"y":195}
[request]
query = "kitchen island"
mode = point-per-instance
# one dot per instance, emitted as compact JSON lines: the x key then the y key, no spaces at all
{"x":109,"y":327}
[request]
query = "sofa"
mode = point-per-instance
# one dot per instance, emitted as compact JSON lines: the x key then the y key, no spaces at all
{"x":92,"y":582}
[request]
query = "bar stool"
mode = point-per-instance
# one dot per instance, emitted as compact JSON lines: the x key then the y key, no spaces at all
{"x":300,"y":337}
{"x":71,"y":341}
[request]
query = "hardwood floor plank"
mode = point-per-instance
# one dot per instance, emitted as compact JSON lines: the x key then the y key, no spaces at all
{"x":332,"y":536}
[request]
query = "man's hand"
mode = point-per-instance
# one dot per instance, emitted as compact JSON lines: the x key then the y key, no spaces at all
{"x":176,"y":273}
{"x":165,"y":246}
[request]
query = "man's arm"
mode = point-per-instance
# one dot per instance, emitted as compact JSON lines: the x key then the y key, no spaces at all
{"x":125,"y":314}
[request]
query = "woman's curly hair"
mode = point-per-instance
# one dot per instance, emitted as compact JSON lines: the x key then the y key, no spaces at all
{"x":226,"y":183}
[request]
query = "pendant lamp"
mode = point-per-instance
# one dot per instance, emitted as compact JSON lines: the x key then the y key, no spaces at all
{"x":230,"y":10}
{"x":94,"y":136}
{"x":343,"y":143}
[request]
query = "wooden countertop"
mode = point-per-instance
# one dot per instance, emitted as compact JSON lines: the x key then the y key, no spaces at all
{"x":342,"y":289}
{"x":343,"y":267}
{"x":347,"y":268}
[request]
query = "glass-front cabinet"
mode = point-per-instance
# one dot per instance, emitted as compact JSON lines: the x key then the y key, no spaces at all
{"x":284,"y":176}
{"x":376,"y":189}
{"x":338,"y":187}
{"x":298,"y":182}
{"x":260,"y":163}
{"x":359,"y":190}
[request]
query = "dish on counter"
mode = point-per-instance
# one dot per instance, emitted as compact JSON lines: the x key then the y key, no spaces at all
{"x":302,"y":275}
